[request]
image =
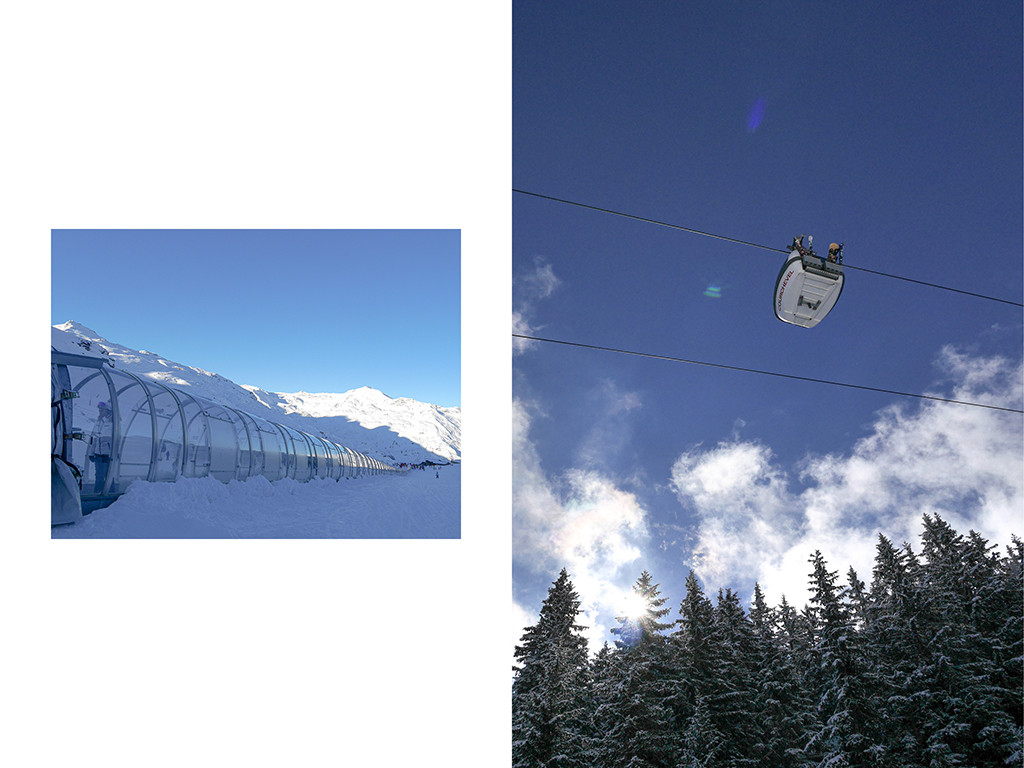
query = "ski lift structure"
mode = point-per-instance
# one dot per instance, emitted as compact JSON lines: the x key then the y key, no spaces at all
{"x":111,"y":427}
{"x":808,"y":285}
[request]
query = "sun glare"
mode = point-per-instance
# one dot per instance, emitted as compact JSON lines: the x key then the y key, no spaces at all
{"x":634,"y":606}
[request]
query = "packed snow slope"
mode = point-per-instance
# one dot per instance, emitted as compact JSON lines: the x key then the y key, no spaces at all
{"x":420,"y":504}
{"x":393,"y":430}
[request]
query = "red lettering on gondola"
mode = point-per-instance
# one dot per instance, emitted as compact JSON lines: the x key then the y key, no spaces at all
{"x":782,"y":288}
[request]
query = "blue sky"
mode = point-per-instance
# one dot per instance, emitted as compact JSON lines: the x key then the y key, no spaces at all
{"x":285,"y":310}
{"x":894,"y":131}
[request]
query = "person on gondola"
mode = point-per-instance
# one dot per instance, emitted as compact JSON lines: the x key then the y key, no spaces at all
{"x":798,"y":245}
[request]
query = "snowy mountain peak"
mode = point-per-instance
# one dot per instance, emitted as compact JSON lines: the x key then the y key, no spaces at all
{"x":370,"y":392}
{"x":366,"y":419}
{"x":77,"y":328}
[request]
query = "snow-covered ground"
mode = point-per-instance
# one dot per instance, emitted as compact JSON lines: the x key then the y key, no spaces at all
{"x":421,"y":504}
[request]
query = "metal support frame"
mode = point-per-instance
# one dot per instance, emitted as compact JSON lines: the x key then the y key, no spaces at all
{"x":324,"y":457}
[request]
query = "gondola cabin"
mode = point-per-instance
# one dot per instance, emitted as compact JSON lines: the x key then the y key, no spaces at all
{"x":807,"y":288}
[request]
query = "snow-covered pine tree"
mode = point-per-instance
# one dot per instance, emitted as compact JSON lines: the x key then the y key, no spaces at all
{"x":968,"y":717}
{"x":693,"y":649}
{"x":923,"y":669}
{"x":1009,"y":640}
{"x":783,"y":710}
{"x":898,"y":650}
{"x":843,"y":713}
{"x":731,"y":706}
{"x":633,"y":629}
{"x":995,"y":617}
{"x":796,"y":636}
{"x":636,"y":727}
{"x":702,"y":744}
{"x":552,"y":701}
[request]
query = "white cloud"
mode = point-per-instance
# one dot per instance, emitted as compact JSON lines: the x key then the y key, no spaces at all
{"x":581,"y":521}
{"x":611,"y":429}
{"x":964,"y":463}
{"x":521,"y":325}
{"x":530,"y":288}
{"x":745,"y":510}
{"x":542,"y":282}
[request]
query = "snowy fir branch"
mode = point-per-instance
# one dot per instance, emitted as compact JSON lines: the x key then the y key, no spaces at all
{"x":923,"y":667}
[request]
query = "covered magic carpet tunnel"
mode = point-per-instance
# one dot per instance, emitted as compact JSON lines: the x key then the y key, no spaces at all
{"x":111,"y":427}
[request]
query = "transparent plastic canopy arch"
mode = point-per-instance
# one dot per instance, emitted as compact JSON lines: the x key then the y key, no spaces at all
{"x":118,"y":427}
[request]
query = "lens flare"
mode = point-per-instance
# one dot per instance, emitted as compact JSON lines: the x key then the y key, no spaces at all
{"x":713,"y":291}
{"x":756,"y":115}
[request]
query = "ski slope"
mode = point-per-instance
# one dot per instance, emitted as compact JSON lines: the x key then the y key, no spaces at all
{"x":420,"y":504}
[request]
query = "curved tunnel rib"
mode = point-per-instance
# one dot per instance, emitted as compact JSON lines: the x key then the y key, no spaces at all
{"x":119,"y":427}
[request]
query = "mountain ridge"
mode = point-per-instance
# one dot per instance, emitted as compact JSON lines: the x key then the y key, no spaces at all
{"x":364,"y":418}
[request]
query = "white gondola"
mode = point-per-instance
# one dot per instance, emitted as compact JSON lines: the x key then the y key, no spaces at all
{"x":807,"y":288}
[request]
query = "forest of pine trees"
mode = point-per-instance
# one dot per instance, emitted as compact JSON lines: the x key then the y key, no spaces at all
{"x":921,"y":668}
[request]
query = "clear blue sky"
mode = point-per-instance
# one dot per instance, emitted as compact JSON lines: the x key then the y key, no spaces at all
{"x":285,"y":310}
{"x":891,"y":127}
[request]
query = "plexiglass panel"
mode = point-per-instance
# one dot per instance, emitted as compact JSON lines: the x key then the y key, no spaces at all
{"x":120,"y":428}
{"x":273,"y":450}
{"x":170,"y":435}
{"x":136,"y":421}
